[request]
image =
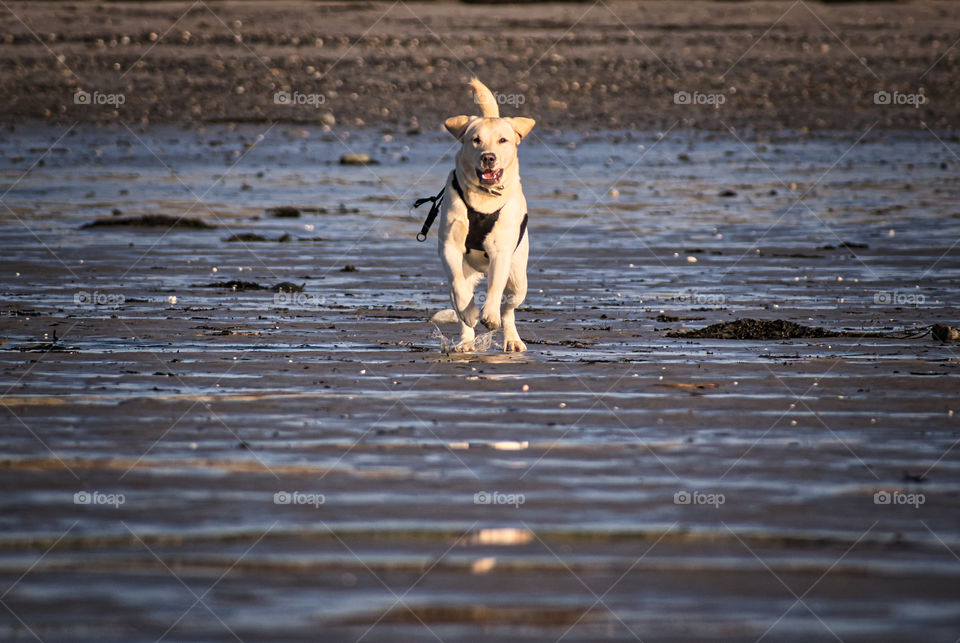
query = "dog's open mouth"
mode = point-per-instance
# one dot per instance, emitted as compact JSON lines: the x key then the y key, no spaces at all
{"x":489,"y":177}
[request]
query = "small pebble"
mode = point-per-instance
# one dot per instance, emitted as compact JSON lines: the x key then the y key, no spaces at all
{"x":357,"y":159}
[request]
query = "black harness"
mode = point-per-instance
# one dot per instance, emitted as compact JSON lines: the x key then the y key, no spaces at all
{"x":479,"y":224}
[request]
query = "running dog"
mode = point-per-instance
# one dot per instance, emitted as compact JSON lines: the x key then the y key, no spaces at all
{"x":483,"y":222}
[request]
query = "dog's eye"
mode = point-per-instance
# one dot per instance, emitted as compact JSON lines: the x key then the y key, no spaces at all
{"x":502,"y":141}
{"x":476,"y":139}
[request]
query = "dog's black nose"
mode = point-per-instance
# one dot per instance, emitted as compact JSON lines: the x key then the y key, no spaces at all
{"x":488,"y":159}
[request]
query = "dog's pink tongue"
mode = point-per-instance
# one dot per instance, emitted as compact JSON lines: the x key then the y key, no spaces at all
{"x":490,"y":174}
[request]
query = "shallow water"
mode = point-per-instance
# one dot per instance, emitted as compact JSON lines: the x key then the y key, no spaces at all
{"x":199,"y":411}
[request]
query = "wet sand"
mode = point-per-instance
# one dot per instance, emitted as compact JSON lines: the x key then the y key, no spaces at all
{"x":631,"y":485}
{"x":750,"y":65}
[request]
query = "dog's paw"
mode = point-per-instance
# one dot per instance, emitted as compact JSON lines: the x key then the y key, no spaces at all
{"x":513,"y":346}
{"x":490,"y":319}
{"x":464,"y":346}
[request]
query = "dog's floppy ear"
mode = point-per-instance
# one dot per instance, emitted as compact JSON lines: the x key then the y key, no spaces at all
{"x":457,"y":125}
{"x":521,"y":125}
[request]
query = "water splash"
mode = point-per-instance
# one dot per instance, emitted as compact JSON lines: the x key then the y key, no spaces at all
{"x":483,"y":343}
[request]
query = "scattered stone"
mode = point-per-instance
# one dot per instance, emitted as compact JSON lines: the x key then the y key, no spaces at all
{"x":357,"y":159}
{"x":246,"y":237}
{"x":349,"y":268}
{"x":285,"y":212}
{"x":727,"y":193}
{"x":676,"y":318}
{"x":688,"y":385}
{"x":943,"y":333}
{"x":253,"y":237}
{"x":287,"y":286}
{"x":152,"y":221}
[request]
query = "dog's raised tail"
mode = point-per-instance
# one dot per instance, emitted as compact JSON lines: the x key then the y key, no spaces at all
{"x":485,"y":99}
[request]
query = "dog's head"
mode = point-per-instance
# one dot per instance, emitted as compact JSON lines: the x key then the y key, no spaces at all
{"x":488,"y":143}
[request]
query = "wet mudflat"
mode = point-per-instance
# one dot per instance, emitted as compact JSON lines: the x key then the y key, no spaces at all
{"x":304,"y":461}
{"x":586,"y":66}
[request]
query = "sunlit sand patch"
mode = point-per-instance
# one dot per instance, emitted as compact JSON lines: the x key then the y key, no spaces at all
{"x":483,"y":565}
{"x":502,"y":445}
{"x":510,"y":445}
{"x":501,"y":536}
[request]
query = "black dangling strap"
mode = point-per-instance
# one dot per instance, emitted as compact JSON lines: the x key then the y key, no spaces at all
{"x":431,"y":216}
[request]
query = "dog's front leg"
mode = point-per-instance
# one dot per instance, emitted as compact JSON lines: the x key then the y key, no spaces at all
{"x":461,"y":288}
{"x":497,"y":276}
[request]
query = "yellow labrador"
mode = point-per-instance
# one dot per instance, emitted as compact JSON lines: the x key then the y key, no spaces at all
{"x":483,"y":222}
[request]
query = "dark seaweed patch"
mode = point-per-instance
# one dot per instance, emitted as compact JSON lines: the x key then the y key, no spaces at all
{"x":236,"y":284}
{"x":754,"y":329}
{"x":151,"y":221}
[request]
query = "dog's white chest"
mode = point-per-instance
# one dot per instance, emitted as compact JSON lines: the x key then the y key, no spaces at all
{"x":478,"y":260}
